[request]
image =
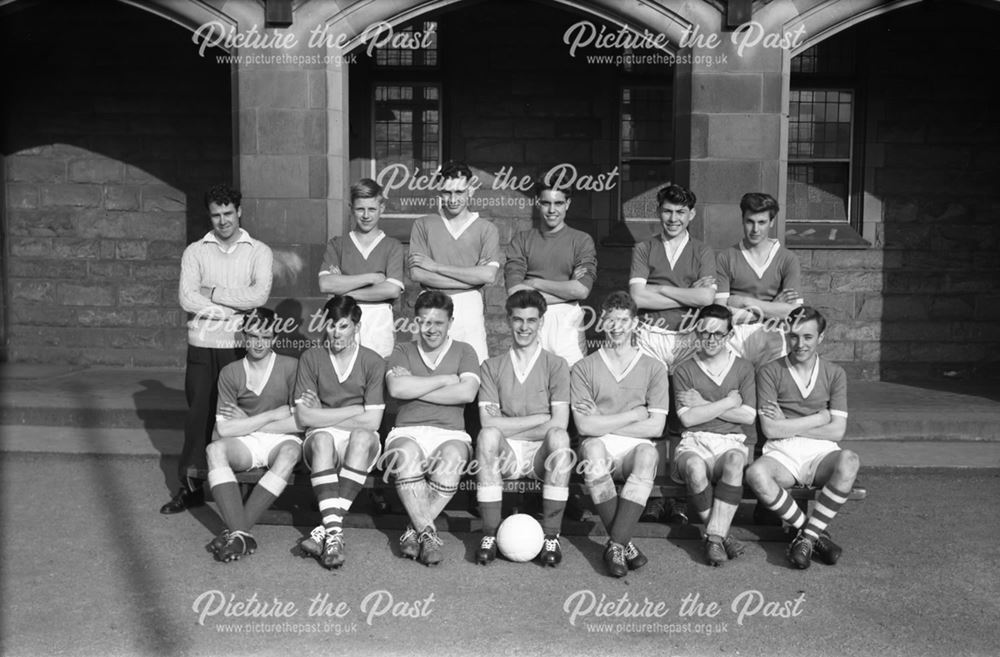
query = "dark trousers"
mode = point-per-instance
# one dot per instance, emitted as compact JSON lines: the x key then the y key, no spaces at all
{"x":202,"y":391}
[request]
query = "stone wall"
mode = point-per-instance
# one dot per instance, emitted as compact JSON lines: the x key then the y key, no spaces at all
{"x":109,"y":142}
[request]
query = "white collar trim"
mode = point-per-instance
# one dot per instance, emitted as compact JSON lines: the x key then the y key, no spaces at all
{"x":522,"y":376}
{"x":760,"y":270}
{"x":805,"y":387}
{"x":367,"y":251}
{"x":672,"y":258}
{"x":628,"y":370}
{"x":342,"y":376}
{"x":717,"y":379}
{"x":267,"y":374}
{"x":457,"y":232}
{"x":432,"y":365}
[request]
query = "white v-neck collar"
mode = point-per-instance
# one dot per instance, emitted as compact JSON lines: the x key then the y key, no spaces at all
{"x":628,"y":370}
{"x":681,"y":244}
{"x":523,"y":376}
{"x":367,"y":251}
{"x":441,"y":354}
{"x":717,"y":379}
{"x":805,"y":387}
{"x":267,"y":374}
{"x":342,"y":376}
{"x":775,"y":245}
{"x":457,"y":232}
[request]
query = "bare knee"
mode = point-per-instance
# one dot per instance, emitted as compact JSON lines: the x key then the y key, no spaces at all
{"x":758,"y":477}
{"x":215,"y":454}
{"x":288,"y":455}
{"x":593,"y":449}
{"x":695,"y":472}
{"x":645,"y":460}
{"x":556,"y":439}
{"x":488,"y":443}
{"x":732,"y":462}
{"x":848,"y":464}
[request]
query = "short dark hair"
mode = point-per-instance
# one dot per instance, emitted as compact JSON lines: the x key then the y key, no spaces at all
{"x":526,"y":299}
{"x":453,"y":169}
{"x":223,"y":195}
{"x":259,"y":318}
{"x":754,"y":202}
{"x":541,"y":185}
{"x":677,"y":195}
{"x":619,"y":300}
{"x":432,"y":299}
{"x":365,"y":188}
{"x":804,"y":314}
{"x":339,"y":307}
{"x":714,"y":311}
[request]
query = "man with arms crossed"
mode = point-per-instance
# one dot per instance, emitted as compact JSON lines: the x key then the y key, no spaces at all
{"x":524,"y":410}
{"x":802,"y":401}
{"x":256,"y":428}
{"x":715,"y":395}
{"x":340,"y":399}
{"x":559,"y":262}
{"x":759,"y":280}
{"x":427,"y":451}
{"x":620,"y":399}
{"x":457,"y":252}
{"x":224,"y":274}
{"x":368,"y":265}
{"x":672,"y":276}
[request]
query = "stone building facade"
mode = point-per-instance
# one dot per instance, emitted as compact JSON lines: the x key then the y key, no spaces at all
{"x":882,"y":149}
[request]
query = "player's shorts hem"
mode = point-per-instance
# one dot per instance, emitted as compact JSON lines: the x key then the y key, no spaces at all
{"x":428,"y":438}
{"x":708,"y":446}
{"x":341,"y":439}
{"x":260,"y":444}
{"x":800,"y":456}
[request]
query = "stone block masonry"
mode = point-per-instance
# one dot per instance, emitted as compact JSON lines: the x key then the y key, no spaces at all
{"x":104,"y":176}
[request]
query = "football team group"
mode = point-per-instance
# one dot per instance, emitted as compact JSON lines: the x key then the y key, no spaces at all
{"x":727,"y":333}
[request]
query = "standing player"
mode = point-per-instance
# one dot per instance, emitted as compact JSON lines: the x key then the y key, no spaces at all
{"x":559,"y":262}
{"x":715,"y":395}
{"x":256,"y":429}
{"x":457,"y":252}
{"x":759,"y":280}
{"x":433,"y":378}
{"x":620,"y":403}
{"x":524,"y":410}
{"x":672,"y":276}
{"x":340,"y":400}
{"x":803,"y":412}
{"x":368,"y":265}
{"x":224,"y":274}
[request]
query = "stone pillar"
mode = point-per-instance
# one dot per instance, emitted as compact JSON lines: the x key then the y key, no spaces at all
{"x":729,"y":129}
{"x":282,"y":161}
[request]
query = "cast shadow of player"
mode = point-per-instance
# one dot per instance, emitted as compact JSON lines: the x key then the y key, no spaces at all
{"x":291,"y":340}
{"x":160,"y":408}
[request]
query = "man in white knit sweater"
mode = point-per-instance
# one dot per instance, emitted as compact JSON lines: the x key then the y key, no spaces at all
{"x":223,"y":275}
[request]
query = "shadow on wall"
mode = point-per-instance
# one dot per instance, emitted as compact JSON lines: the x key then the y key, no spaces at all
{"x":110,"y":143}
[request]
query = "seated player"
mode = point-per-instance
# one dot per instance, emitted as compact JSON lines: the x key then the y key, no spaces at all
{"x":427,"y":451}
{"x":340,"y":401}
{"x":559,"y":262}
{"x":715,"y":395}
{"x":524,"y":410}
{"x":802,"y":403}
{"x":672,"y":276}
{"x":759,"y":280}
{"x":368,"y":265}
{"x":255,"y":428}
{"x":457,"y":252}
{"x":620,"y":399}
